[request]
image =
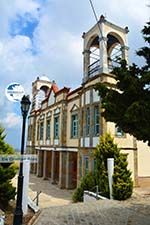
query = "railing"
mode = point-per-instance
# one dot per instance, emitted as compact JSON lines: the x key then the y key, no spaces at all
{"x":93,"y":196}
{"x":37,"y":197}
{"x":34,"y":205}
{"x":93,"y":68}
{"x":113,"y":63}
{"x":2,"y":217}
{"x":2,"y":220}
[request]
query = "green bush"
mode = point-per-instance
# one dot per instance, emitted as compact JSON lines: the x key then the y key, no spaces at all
{"x":7,"y":172}
{"x":122,"y":182}
{"x":78,"y":195}
{"x":87,"y":183}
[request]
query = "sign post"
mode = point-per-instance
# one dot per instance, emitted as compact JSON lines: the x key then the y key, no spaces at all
{"x":26,"y":171}
{"x":110,"y":168}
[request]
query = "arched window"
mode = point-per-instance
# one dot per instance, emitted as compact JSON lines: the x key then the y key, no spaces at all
{"x":94,"y":56}
{"x":114,"y":50}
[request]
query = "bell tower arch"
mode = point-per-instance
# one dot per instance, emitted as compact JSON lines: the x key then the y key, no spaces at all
{"x":104,"y":45}
{"x":40,"y":89}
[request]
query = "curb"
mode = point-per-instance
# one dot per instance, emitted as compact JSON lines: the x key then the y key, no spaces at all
{"x":32,"y":220}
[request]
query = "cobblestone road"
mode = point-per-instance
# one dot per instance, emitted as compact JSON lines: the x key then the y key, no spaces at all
{"x":102,"y":212}
{"x":51,"y":195}
{"x":57,"y":209}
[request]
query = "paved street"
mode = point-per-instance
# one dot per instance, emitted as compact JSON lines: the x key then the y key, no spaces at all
{"x":57,"y":208}
{"x":102,"y":212}
{"x":51,"y":195}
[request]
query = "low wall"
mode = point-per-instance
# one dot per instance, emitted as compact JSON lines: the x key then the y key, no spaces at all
{"x":91,"y":196}
{"x":2,"y":217}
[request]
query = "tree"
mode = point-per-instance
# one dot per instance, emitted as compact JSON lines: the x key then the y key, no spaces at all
{"x":122,"y":181}
{"x":88,"y":183}
{"x":7,"y":172}
{"x":128,"y":103}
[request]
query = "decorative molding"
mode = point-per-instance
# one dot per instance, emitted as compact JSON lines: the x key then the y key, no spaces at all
{"x":42,"y":116}
{"x":74,"y":108}
{"x":48,"y":114}
{"x":57,"y":110}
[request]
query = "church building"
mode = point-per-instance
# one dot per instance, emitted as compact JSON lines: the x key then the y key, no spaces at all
{"x":64,"y":125}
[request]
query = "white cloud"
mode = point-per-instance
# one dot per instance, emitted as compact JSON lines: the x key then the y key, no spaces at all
{"x":10,"y":9}
{"x":11,"y":120}
{"x":125,"y":11}
{"x":56,"y":47}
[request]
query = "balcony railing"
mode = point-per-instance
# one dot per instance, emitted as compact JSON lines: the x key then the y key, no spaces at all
{"x":93,"y":69}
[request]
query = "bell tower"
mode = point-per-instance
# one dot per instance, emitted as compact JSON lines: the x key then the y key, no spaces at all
{"x":104,"y":45}
{"x":40,"y":88}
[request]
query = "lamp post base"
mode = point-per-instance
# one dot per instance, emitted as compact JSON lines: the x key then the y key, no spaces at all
{"x":18,"y":217}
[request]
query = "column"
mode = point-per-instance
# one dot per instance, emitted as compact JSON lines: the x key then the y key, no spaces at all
{"x":35,"y":165}
{"x":53,"y":168}
{"x":35,"y":168}
{"x":103,"y":55}
{"x":124,"y":50}
{"x":71,"y":170}
{"x":79,"y":167}
{"x":45,"y":165}
{"x":67,"y":170}
{"x":48,"y":164}
{"x":86,"y":63}
{"x":62,"y":170}
{"x":38,"y":162}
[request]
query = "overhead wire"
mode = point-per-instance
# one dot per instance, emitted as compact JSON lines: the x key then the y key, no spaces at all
{"x":96,"y":18}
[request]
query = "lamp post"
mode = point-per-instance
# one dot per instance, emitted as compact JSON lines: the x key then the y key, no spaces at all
{"x":25,"y":105}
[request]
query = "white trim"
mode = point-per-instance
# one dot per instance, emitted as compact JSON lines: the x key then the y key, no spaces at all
{"x":41,"y":142}
{"x":96,"y":97}
{"x":74,"y":108}
{"x":56,"y":141}
{"x":95,"y":141}
{"x":67,"y":149}
{"x":44,"y":148}
{"x":48,"y":114}
{"x":57,"y":149}
{"x":57,"y":110}
{"x":87,"y":142}
{"x":48,"y":142}
{"x":87,"y":97}
{"x":81,"y":141}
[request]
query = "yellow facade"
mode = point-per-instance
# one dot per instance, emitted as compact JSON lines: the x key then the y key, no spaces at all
{"x":65,"y":125}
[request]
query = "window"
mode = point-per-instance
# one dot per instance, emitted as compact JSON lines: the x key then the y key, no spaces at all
{"x":86,"y":164}
{"x":96,"y":120}
{"x":41,"y":130}
{"x":48,"y":129}
{"x":56,"y":127}
{"x":87,"y":121}
{"x":119,"y":132}
{"x":74,"y":125}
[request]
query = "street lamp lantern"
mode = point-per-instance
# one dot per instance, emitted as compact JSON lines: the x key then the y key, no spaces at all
{"x":18,"y":216}
{"x":25,"y":105}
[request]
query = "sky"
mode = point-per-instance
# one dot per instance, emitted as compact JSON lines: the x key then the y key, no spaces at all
{"x":44,"y":37}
